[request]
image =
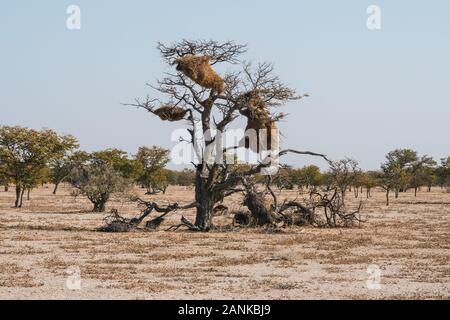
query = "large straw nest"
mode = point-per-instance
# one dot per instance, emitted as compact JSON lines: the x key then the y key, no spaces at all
{"x":199,"y":70}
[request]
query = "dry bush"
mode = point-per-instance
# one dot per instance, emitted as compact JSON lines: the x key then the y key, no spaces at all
{"x":330,"y":211}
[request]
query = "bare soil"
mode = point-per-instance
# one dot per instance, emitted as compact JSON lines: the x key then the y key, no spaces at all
{"x":52,"y":234}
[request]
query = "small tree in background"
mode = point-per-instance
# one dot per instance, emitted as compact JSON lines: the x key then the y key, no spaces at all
{"x":130,"y":169}
{"x":153,"y":160}
{"x":430,"y":177}
{"x":387,"y":180}
{"x":369,"y":181}
{"x":157,"y":182}
{"x":421,"y":172}
{"x":443,"y":174}
{"x":308,"y":177}
{"x":398,"y":164}
{"x":186,"y":177}
{"x":342,"y":175}
{"x":61,"y":168}
{"x":358,"y":182}
{"x":284,"y":179}
{"x":98,"y":179}
{"x":171,"y":176}
{"x":26,"y":153}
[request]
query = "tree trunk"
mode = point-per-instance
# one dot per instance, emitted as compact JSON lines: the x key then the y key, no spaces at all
{"x":387,"y":197}
{"x":21,"y":197}
{"x":343,"y":195}
{"x":56,"y":188}
{"x":18,"y":193}
{"x":204,"y":198}
{"x":152,"y":190}
{"x":28,"y":194}
{"x":205,"y":212}
{"x":99,"y":206}
{"x":415,"y":192}
{"x":6,"y":188}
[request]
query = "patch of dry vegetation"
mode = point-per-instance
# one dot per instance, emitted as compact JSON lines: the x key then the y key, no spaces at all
{"x":410,"y":243}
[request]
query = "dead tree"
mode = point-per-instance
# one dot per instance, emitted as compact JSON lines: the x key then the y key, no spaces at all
{"x":335,"y":212}
{"x":195,"y":93}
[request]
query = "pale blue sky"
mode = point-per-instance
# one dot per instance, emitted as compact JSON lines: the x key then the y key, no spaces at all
{"x":371,"y":91}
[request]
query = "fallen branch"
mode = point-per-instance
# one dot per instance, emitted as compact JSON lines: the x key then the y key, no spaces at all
{"x":117,"y":223}
{"x":184,"y":223}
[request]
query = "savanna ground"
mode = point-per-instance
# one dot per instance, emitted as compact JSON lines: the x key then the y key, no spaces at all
{"x":409,"y":241}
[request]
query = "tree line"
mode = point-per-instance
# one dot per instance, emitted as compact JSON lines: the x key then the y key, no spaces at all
{"x":402,"y":170}
{"x":30,"y":158}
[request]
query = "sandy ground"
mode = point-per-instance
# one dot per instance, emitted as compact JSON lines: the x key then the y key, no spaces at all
{"x":51,"y":237}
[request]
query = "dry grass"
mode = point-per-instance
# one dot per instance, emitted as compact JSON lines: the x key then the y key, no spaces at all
{"x":409,"y":241}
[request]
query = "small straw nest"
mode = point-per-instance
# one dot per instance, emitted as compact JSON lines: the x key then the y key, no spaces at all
{"x":170,"y":113}
{"x":199,"y":70}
